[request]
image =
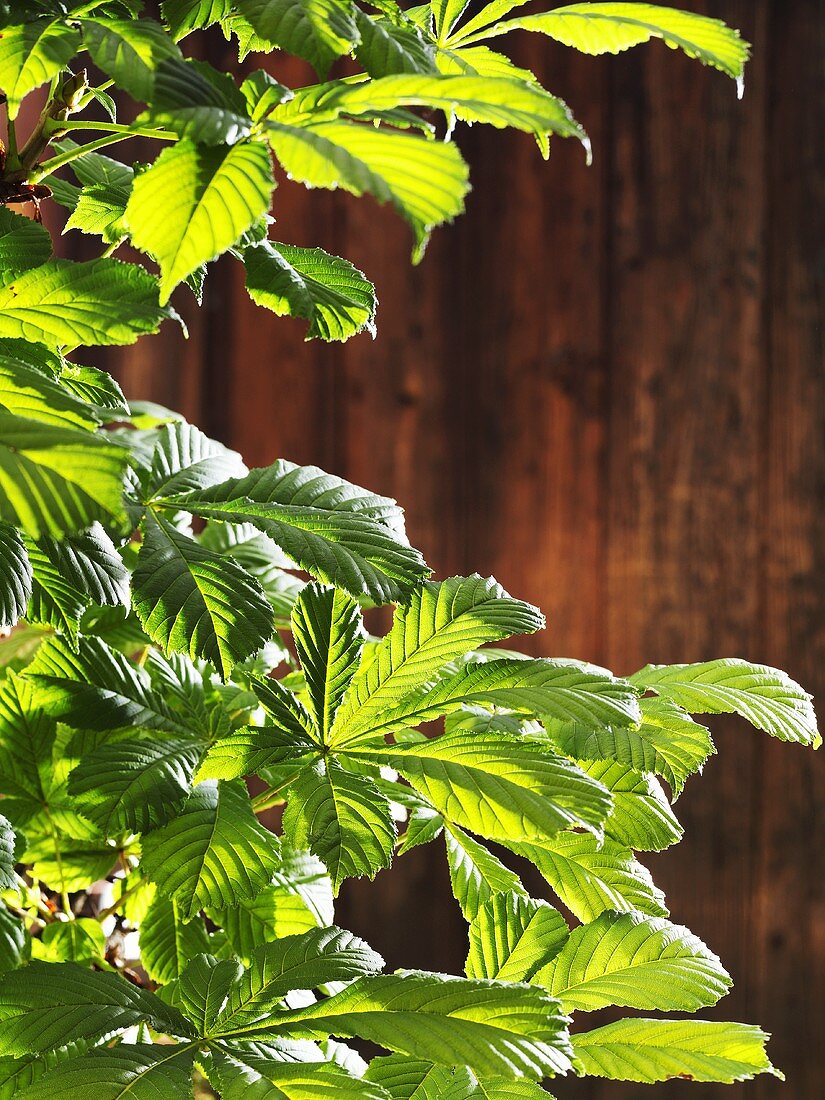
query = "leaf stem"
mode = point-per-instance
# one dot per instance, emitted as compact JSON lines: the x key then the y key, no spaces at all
{"x":270,"y":797}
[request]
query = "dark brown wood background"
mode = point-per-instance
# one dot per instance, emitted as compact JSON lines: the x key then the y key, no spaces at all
{"x":605,"y":386}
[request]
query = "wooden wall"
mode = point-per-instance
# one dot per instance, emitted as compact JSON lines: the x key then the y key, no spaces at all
{"x":605,"y":386}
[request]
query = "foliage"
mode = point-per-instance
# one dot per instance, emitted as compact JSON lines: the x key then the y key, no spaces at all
{"x":166,"y":654}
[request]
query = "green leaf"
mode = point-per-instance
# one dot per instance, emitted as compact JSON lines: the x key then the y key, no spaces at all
{"x":253,"y":750}
{"x":7,"y":861}
{"x":242,"y":1077}
{"x":203,"y":989}
{"x":47,"y":1005}
{"x":214,"y":853}
{"x":72,"y":573}
{"x":387,"y":48}
{"x":132,"y":785}
{"x":502,"y":788}
{"x":31,"y":53}
{"x":57,"y":480}
{"x":185,"y":16}
{"x":180,"y":458}
{"x":597,"y":28}
{"x":667,"y":742}
{"x":442,"y":621}
{"x":476,"y":875}
{"x":641,"y":817}
{"x":97,"y":388}
{"x":496,"y":1028}
{"x":26,"y":391}
{"x":198,"y":102}
{"x":134,"y":1071}
{"x":13,"y":946}
{"x":167,"y":942}
{"x":129,"y":51}
{"x":329,"y":636}
{"x":446,"y":13}
{"x":81,"y":940}
{"x":23,"y":242}
{"x":766,"y":697}
{"x":316,"y":30}
{"x":15,"y":576}
{"x":96,"y":687}
{"x":193,"y":601}
{"x":657,"y":1050}
{"x":314,"y":959}
{"x":343,"y":819}
{"x":335,"y":297}
{"x":26,"y":739}
{"x":635,"y":961}
{"x":425,"y":181}
{"x":513,"y":936}
{"x":336,"y":531}
{"x":100,"y":301}
{"x":99,"y":212}
{"x":590,"y":877}
{"x":194,"y":203}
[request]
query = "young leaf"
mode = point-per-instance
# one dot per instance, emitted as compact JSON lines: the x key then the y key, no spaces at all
{"x":15,"y":576}
{"x":167,"y":942}
{"x":657,"y":1050}
{"x":23,"y":243}
{"x":597,"y":28}
{"x":193,"y":601}
{"x":56,"y":481}
{"x":513,"y":936}
{"x":335,"y":297}
{"x":214,"y":853}
{"x":47,"y":1005}
{"x":133,"y":1070}
{"x":635,"y":961}
{"x":476,"y":875}
{"x":132,"y":785}
{"x":329,"y":636}
{"x":316,"y":30}
{"x":442,"y":620}
{"x":336,"y":531}
{"x":501,"y":788}
{"x":590,"y":877}
{"x":195,"y":202}
{"x":766,"y":697}
{"x":31,"y":53}
{"x":426,"y":181}
{"x":495,"y":1028}
{"x":343,"y":819}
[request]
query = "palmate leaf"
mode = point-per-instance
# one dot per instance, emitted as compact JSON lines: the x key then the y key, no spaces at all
{"x":507,"y":1029}
{"x":44,"y":1006}
{"x":195,"y":202}
{"x":135,"y":784}
{"x":337,"y":531}
{"x":316,"y":30}
{"x":635,"y":961}
{"x":57,"y":480}
{"x":99,"y":301}
{"x":23,"y":243}
{"x":31,"y":53}
{"x":129,"y":51}
{"x":597,"y":28}
{"x":333,"y":295}
{"x":667,"y":741}
{"x":766,"y":697}
{"x":441,"y":621}
{"x":167,"y":942}
{"x":72,"y":573}
{"x":314,"y":959}
{"x":513,"y":936}
{"x":590,"y":877}
{"x":253,"y":750}
{"x":193,"y":601}
{"x":95,"y":687}
{"x":657,"y":1050}
{"x":214,"y":853}
{"x":641,"y":817}
{"x":136,"y":1072}
{"x":425,"y":181}
{"x":329,"y":636}
{"x":501,"y":788}
{"x":15,"y":576}
{"x":476,"y":875}
{"x":343,"y":818}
